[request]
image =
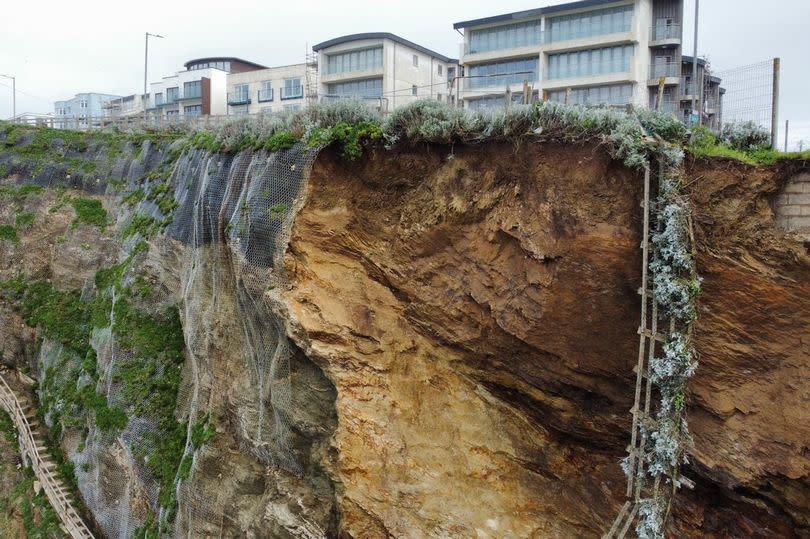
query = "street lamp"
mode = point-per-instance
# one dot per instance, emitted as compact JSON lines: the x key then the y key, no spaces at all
{"x":13,"y":95}
{"x":146,"y":58}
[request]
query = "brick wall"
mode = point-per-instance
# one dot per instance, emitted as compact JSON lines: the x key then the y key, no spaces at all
{"x":793,"y":205}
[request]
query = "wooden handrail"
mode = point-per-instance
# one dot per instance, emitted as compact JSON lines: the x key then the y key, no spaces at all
{"x":74,"y":525}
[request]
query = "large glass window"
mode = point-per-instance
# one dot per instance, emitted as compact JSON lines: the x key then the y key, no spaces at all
{"x":614,"y":94}
{"x":192,"y":89}
{"x":503,"y":73}
{"x":241,"y":94}
{"x":193,"y":110}
{"x":356,"y":88}
{"x":508,"y":36}
{"x":591,"y":23}
{"x":590,"y":62}
{"x":266,"y":91}
{"x":292,"y":89}
{"x":172,"y":94}
{"x":354,"y":61}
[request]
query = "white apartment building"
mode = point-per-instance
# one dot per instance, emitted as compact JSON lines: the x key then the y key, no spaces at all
{"x":82,"y":110}
{"x":383,"y":68}
{"x":593,"y":52}
{"x":129,"y":105}
{"x":274,"y":89}
{"x":199,"y":90}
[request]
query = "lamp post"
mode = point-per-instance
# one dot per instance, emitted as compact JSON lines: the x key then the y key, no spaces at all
{"x":13,"y":95}
{"x":146,"y":58}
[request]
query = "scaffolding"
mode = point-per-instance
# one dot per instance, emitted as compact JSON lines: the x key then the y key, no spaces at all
{"x":311,"y":76}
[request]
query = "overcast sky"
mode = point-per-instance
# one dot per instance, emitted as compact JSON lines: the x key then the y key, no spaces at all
{"x":57,"y":49}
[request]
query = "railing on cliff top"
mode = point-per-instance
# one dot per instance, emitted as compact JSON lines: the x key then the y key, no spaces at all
{"x":29,"y":447}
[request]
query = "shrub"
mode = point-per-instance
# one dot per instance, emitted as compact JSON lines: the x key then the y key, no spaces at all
{"x":8,"y":232}
{"x":745,"y":136}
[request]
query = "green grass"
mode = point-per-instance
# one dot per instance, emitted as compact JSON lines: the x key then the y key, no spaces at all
{"x":706,"y":144}
{"x":24,"y":220}
{"x":142,"y":224}
{"x":19,"y":191}
{"x":89,"y":211}
{"x":352,"y":138}
{"x":8,"y":232}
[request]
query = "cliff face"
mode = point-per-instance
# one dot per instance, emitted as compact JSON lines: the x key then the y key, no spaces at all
{"x":418,"y":344}
{"x":477,"y":316}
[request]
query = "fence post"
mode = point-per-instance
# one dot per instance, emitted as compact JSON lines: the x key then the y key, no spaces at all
{"x":775,"y":105}
{"x":787,"y":127}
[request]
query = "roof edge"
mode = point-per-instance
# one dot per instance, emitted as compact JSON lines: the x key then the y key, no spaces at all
{"x":381,"y":35}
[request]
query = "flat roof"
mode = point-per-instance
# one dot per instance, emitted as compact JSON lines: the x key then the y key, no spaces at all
{"x":688,"y":60}
{"x":529,"y":13}
{"x":381,"y":35}
{"x":222,"y":59}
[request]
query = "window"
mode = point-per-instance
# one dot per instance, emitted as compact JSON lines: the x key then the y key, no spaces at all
{"x":193,"y":110}
{"x":438,"y":97}
{"x":292,"y":89}
{"x":172,"y":94}
{"x":591,"y":23}
{"x":503,"y":73}
{"x":360,"y":60}
{"x":82,"y":103}
{"x":507,"y":36}
{"x":292,"y":108}
{"x":615,"y":94}
{"x":159,"y":98}
{"x":451,"y":73}
{"x":414,"y":90}
{"x":415,"y":61}
{"x":172,"y":113}
{"x":356,"y":88}
{"x":441,"y":71}
{"x":590,"y":62}
{"x":240,"y":95}
{"x":192,"y":89}
{"x":266,"y":91}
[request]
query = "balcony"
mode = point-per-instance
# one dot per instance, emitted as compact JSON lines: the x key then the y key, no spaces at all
{"x":671,"y":71}
{"x":687,"y":89}
{"x":665,"y":35}
{"x":265,"y":95}
{"x":239,"y":98}
{"x":482,"y":48}
{"x":297,"y":92}
{"x":669,"y":106}
{"x":195,"y":93}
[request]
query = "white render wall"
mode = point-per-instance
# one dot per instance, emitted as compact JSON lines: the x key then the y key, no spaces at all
{"x":637,"y":75}
{"x":218,"y":90}
{"x":398,"y":73}
{"x":254,"y":80}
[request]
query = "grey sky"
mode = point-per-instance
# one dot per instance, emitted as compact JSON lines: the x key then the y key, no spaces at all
{"x":56,"y":49}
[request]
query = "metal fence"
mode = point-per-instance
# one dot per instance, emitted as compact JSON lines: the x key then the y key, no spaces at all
{"x":752,"y":94}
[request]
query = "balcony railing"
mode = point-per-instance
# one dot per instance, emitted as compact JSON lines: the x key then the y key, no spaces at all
{"x":194,"y":93}
{"x":239,"y":98}
{"x":665,"y":32}
{"x":669,"y":106}
{"x":533,"y":41}
{"x":294,"y":93}
{"x":687,"y":88}
{"x":265,"y":95}
{"x":669,"y":69}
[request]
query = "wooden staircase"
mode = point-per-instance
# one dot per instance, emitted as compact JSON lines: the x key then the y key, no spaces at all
{"x":35,"y":453}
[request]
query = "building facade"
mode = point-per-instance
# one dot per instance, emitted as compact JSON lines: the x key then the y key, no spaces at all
{"x":274,"y":89}
{"x":199,"y":90}
{"x":384,"y":69}
{"x":128,"y":105}
{"x":594,"y":52}
{"x":82,"y":110}
{"x":707,"y":93}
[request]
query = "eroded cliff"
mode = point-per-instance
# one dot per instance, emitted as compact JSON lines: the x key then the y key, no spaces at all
{"x":459,"y":328}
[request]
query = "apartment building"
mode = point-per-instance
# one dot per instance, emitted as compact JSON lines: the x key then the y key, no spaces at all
{"x":128,"y":105}
{"x":201,"y":89}
{"x":707,"y":93}
{"x":611,"y":52}
{"x":274,"y":89}
{"x":82,"y":110}
{"x":384,"y":69}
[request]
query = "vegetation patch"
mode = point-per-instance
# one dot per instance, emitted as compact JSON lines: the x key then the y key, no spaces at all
{"x":24,"y":220}
{"x":89,"y":211}
{"x":8,"y":232}
{"x":143,"y":224}
{"x":20,"y":191}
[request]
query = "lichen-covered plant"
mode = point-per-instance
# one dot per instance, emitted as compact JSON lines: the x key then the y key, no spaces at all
{"x":745,"y":136}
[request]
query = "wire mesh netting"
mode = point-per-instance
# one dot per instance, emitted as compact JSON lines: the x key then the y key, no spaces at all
{"x":749,"y":93}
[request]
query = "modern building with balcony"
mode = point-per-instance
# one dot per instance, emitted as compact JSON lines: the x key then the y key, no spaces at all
{"x":128,"y":105}
{"x":274,"y":89}
{"x":81,"y":110}
{"x":200,"y":90}
{"x":595,"y":52}
{"x":384,"y":69}
{"x":707,"y":93}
